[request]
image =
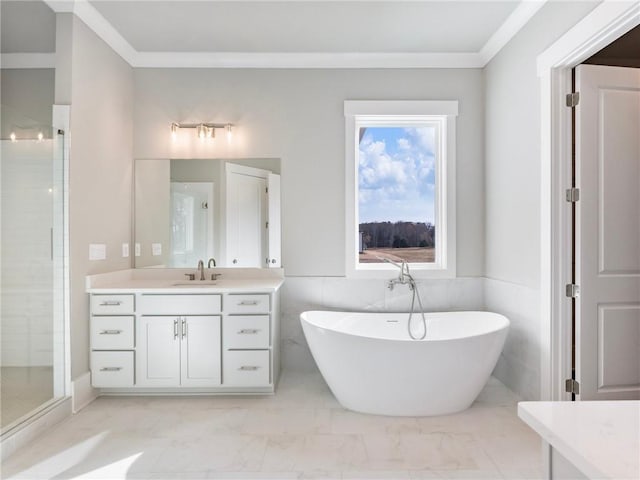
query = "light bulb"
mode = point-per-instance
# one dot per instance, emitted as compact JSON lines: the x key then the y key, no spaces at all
{"x":12,"y":136}
{"x":201,"y":130}
{"x":229,"y":133}
{"x":40,"y":136}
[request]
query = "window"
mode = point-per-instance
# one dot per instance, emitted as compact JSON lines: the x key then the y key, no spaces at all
{"x":400,"y":186}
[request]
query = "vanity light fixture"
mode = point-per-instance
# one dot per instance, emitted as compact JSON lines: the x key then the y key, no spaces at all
{"x":12,"y":136}
{"x":40,"y":136}
{"x":203,"y":130}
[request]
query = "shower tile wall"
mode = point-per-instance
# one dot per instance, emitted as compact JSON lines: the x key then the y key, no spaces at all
{"x":27,"y":270}
{"x":337,"y":293}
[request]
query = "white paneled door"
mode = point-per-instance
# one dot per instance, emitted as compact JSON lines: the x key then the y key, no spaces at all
{"x":608,"y":232}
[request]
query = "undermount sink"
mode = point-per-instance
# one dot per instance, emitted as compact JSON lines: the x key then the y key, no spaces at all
{"x":195,"y":283}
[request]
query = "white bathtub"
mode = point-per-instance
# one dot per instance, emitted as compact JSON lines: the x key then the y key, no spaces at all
{"x":372,"y":366}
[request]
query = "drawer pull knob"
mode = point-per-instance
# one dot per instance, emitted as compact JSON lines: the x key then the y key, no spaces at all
{"x":110,"y":332}
{"x":111,"y":303}
{"x":245,"y":303}
{"x":249,"y":368}
{"x":248,"y":331}
{"x":111,"y":369}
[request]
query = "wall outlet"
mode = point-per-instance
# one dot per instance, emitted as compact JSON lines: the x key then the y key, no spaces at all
{"x":97,"y":251}
{"x":125,"y":250}
{"x":137,"y":248}
{"x":156,"y":249}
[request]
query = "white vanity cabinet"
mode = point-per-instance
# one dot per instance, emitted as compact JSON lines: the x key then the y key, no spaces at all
{"x":179,"y":340}
{"x":172,"y":340}
{"x":112,"y":340}
{"x":247,"y":340}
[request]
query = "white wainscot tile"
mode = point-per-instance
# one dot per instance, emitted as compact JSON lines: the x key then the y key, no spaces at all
{"x":353,"y":294}
{"x":299,"y":294}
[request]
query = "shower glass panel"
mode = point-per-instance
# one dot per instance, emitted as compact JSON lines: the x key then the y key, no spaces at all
{"x":31,"y":268}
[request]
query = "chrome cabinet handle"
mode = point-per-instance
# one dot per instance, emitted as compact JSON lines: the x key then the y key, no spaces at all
{"x":249,"y":368}
{"x":249,"y":331}
{"x":175,"y":329}
{"x":111,"y":303}
{"x":111,"y":369}
{"x":184,"y":327}
{"x":245,"y":303}
{"x":110,"y":332}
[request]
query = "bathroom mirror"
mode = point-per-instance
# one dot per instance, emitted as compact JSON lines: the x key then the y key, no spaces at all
{"x":190,"y":210}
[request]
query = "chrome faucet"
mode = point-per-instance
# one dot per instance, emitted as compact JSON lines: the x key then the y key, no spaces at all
{"x":211,"y":260}
{"x":403,"y":278}
{"x":201,"y":269}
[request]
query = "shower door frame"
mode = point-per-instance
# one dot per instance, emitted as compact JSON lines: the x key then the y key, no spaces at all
{"x":58,"y":407}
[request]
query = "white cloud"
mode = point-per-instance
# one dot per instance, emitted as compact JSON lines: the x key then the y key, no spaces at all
{"x":396,"y":179}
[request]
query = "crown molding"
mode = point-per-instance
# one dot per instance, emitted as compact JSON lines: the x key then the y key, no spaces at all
{"x":27,"y":60}
{"x":306,"y":60}
{"x":509,"y":28}
{"x":94,"y":20}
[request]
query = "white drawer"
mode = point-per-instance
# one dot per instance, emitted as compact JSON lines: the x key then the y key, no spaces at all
{"x":240,"y":331}
{"x":203,"y":304}
{"x":256,"y":303}
{"x":112,"y":333}
{"x":246,"y":368}
{"x":111,"y":304}
{"x":112,"y":369}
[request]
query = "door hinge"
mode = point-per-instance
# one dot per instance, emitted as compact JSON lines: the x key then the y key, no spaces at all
{"x":266,"y":190}
{"x":572,"y":290}
{"x":266,"y":225}
{"x":573,"y":99}
{"x":572,"y":386}
{"x":573,"y":194}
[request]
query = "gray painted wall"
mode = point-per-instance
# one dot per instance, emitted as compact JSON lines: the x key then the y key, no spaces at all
{"x":101,"y":163}
{"x":297,"y":116}
{"x":27,"y":97}
{"x":512,"y":175}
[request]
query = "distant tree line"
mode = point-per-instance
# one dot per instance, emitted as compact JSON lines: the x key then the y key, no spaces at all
{"x":398,"y":234}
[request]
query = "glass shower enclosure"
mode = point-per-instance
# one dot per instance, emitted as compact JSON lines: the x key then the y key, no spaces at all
{"x":31,"y":268}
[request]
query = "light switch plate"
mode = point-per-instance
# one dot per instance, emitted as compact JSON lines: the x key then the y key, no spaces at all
{"x":125,"y":250}
{"x":97,"y":251}
{"x":137,"y":248}
{"x":156,"y":249}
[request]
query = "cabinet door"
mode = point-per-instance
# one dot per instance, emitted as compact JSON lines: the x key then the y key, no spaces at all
{"x":158,"y":352}
{"x":201,"y":351}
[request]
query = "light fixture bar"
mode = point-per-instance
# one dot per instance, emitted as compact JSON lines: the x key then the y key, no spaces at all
{"x":203,"y":130}
{"x":204,"y":124}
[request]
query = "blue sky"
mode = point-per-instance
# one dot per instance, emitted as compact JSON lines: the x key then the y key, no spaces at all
{"x":396,"y":176}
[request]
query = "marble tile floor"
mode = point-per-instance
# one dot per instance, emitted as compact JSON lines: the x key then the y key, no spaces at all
{"x":23,"y":389}
{"x":300,"y":433}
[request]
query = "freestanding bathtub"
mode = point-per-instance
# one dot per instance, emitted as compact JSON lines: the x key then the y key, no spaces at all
{"x":372,"y":366}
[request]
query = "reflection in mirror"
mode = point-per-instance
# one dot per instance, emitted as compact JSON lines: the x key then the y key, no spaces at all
{"x":190,"y":210}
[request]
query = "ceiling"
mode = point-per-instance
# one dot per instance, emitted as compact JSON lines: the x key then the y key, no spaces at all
{"x":286,"y":33}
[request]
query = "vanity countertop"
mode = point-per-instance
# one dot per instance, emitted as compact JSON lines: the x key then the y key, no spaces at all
{"x":601,"y":439}
{"x":174,"y":281}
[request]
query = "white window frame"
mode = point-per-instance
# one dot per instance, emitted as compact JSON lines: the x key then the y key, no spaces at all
{"x":396,"y":113}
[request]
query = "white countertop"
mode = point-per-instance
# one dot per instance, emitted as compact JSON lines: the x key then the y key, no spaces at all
{"x":601,"y":439}
{"x":174,"y":281}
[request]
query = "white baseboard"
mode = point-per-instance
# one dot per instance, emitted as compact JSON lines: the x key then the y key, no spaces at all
{"x":32,"y":428}
{"x":82,"y":393}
